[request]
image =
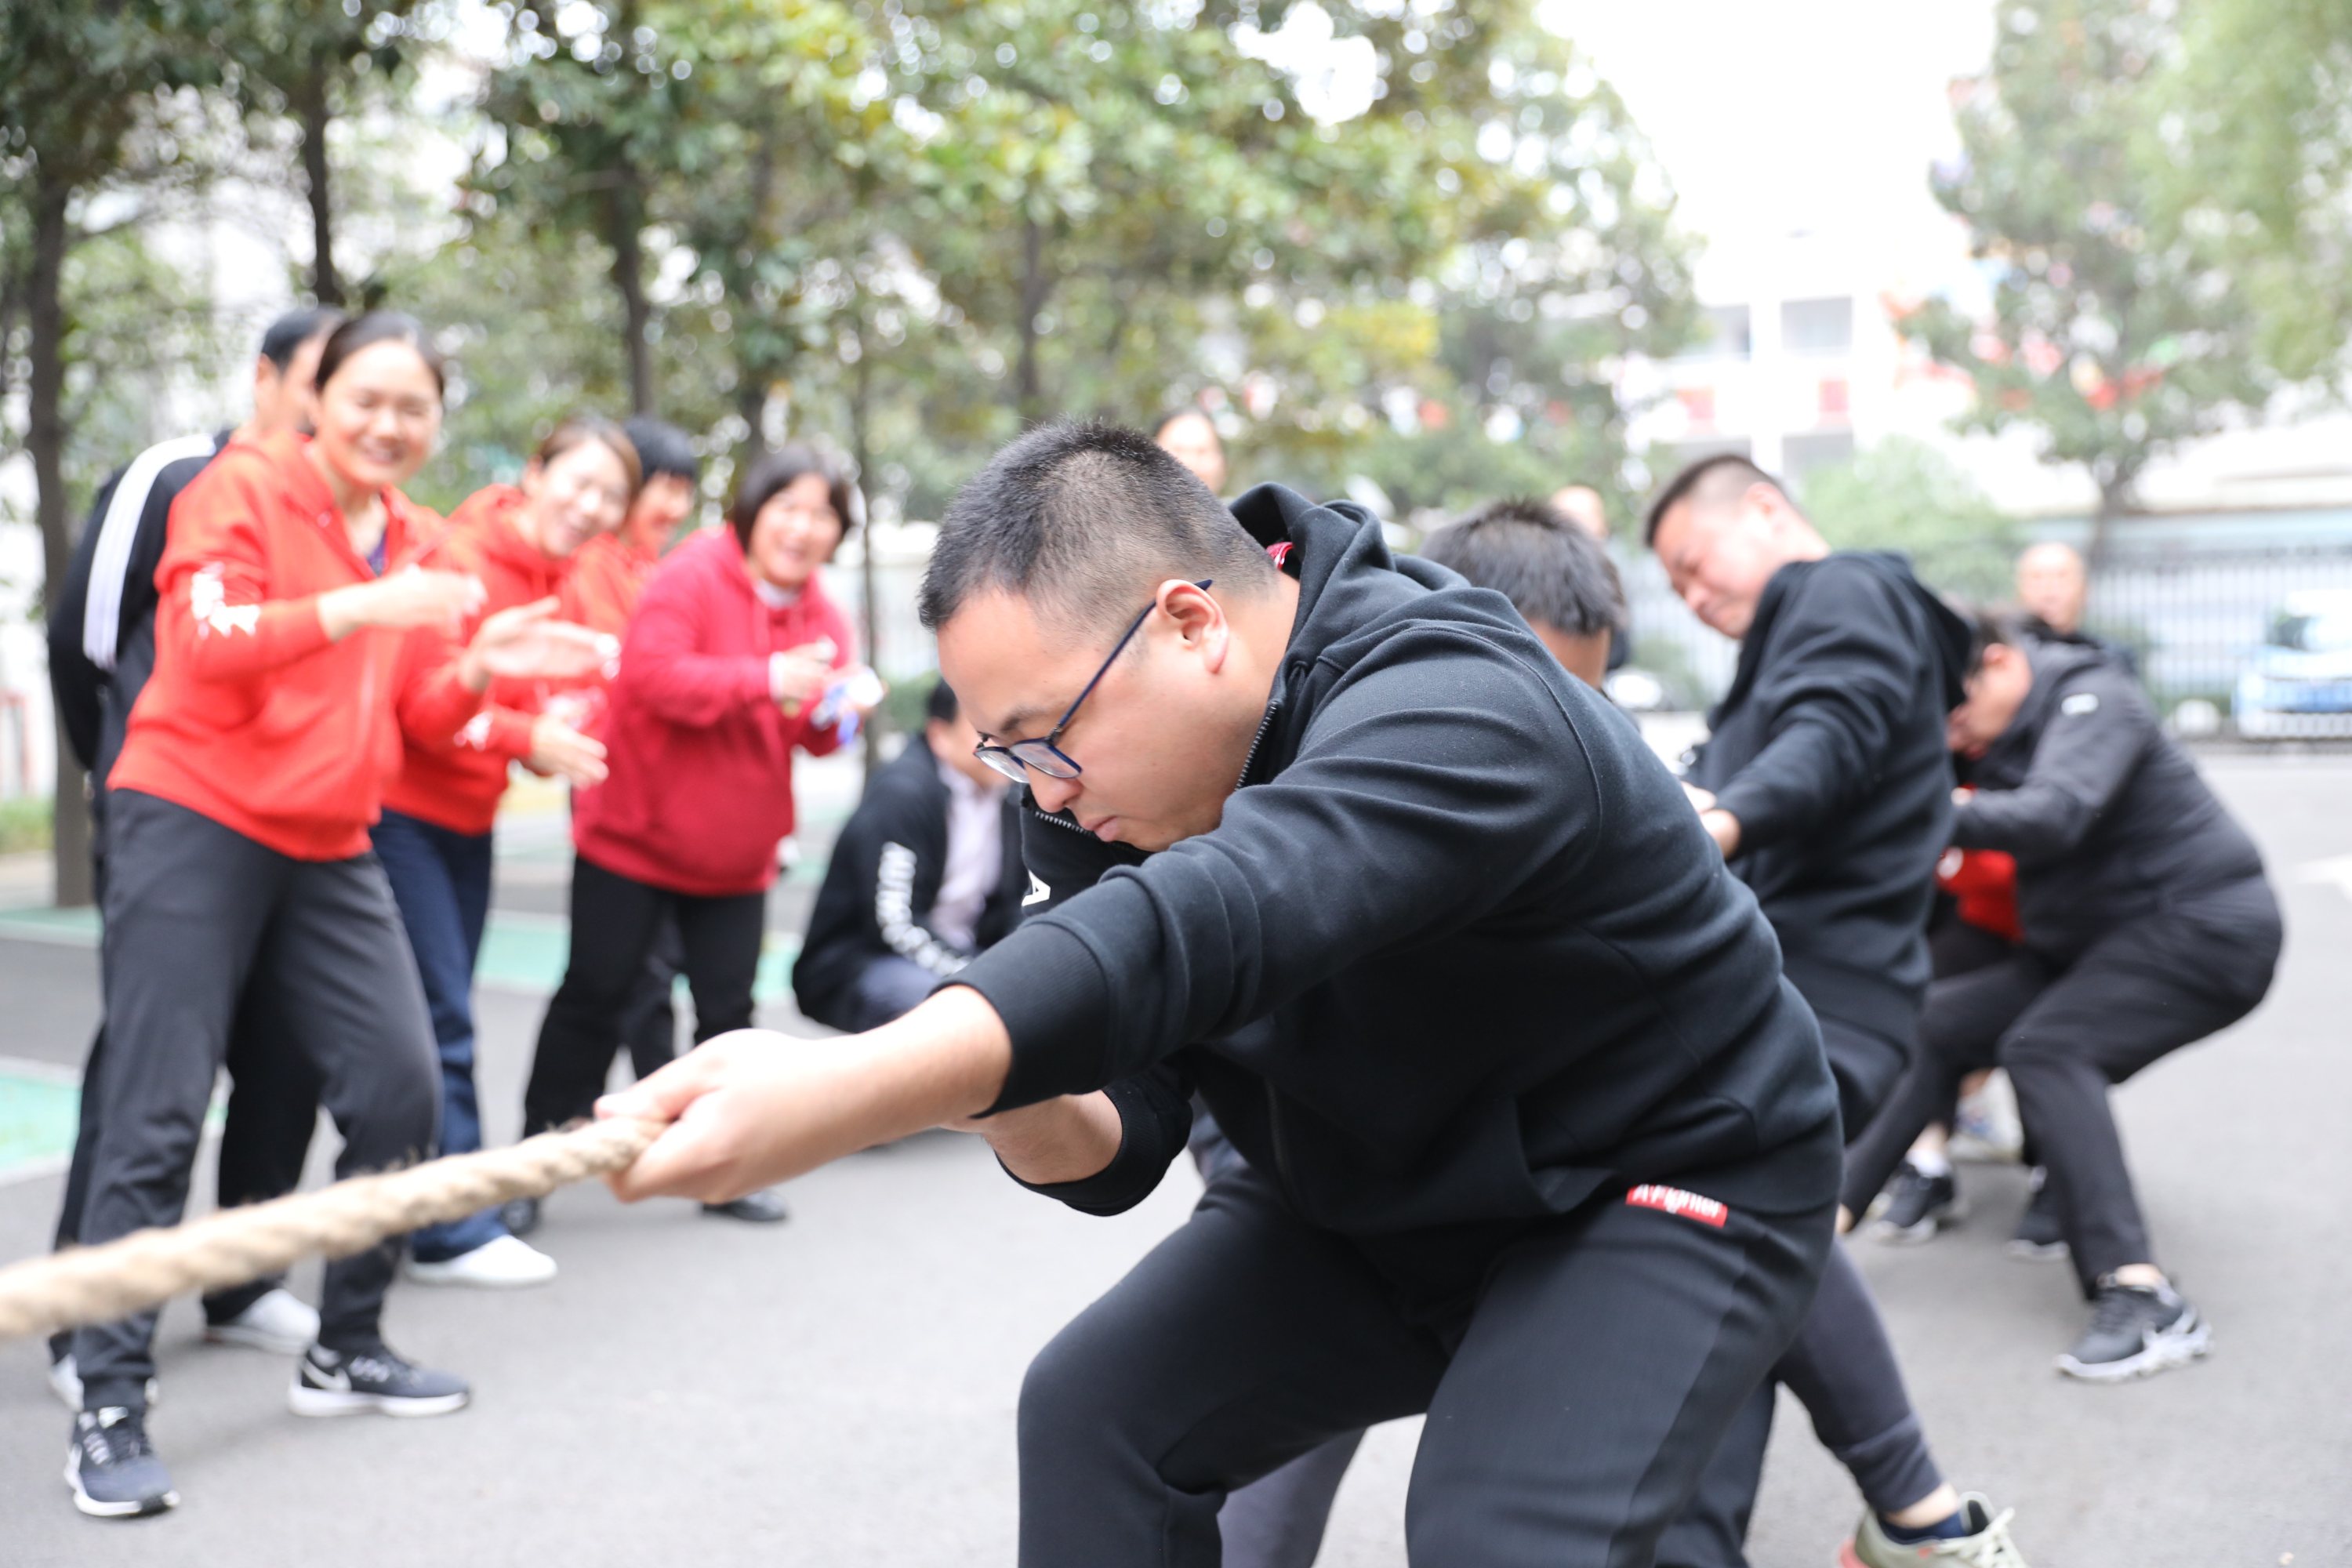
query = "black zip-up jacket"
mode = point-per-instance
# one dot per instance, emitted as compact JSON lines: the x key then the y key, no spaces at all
{"x":882,"y":881}
{"x":1830,"y":749}
{"x":1458,"y":953}
{"x":102,"y":633}
{"x":2106,"y":815}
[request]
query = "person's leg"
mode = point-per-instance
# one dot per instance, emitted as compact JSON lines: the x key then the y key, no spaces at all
{"x":76,"y":1198}
{"x":1277,"y":1520}
{"x":1607,"y":1359}
{"x":613,"y":923}
{"x":273,"y":1112}
{"x":188,"y":902}
{"x":719,"y":940}
{"x":1243,"y":1340}
{"x":335,"y":957}
{"x":441,"y":882}
{"x":887,"y":987}
{"x":649,"y":1020}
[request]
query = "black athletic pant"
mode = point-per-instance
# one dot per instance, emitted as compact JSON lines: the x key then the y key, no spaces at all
{"x":1573,"y":1393}
{"x":615,"y":921}
{"x":198,"y":917}
{"x":2066,"y":1033}
{"x":273,"y":1109}
{"x":1842,"y":1368}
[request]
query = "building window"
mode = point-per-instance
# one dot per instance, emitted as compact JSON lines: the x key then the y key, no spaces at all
{"x":1817,"y":326}
{"x":1722,"y":334}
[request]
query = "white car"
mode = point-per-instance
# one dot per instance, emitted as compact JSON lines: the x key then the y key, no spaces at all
{"x":2300,"y":681}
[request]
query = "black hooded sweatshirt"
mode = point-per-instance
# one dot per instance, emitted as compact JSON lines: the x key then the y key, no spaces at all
{"x":882,"y":881}
{"x":2106,"y":815}
{"x":1457,"y":955}
{"x":1830,"y":749}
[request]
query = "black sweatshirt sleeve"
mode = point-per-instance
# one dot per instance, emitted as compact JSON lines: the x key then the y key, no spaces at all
{"x":2099,"y":729}
{"x":1843,"y":668}
{"x":1155,"y":1117}
{"x":1435,"y":776}
{"x":76,"y":682}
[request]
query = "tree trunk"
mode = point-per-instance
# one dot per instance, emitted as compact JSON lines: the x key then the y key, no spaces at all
{"x":1036,"y":288}
{"x":45,"y":441}
{"x":626,"y":216}
{"x":310,"y":105}
{"x":861,"y":383}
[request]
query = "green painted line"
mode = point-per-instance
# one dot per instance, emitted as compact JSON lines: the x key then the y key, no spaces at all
{"x":39,"y":1112}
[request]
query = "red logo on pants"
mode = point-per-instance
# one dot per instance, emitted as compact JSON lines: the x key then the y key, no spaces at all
{"x":1674,"y":1201}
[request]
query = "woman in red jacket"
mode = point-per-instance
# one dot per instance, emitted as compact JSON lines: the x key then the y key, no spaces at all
{"x":520,"y":541}
{"x":725,"y":673}
{"x":300,"y":626}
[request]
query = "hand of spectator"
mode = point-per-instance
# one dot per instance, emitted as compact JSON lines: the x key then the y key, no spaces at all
{"x":558,"y":748}
{"x":797,"y":676}
{"x":1723,"y":827}
{"x":527,"y":643}
{"x":1701,"y":800}
{"x":409,"y":597}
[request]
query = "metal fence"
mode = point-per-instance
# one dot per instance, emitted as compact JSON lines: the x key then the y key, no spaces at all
{"x":2195,"y":616}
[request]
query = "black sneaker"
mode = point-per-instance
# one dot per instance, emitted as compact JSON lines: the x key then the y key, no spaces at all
{"x":755,"y":1208}
{"x":520,"y":1215}
{"x":2039,"y":1236}
{"x":112,"y":1467}
{"x":2137,"y":1330}
{"x":1917,"y":1206}
{"x":378,"y":1380}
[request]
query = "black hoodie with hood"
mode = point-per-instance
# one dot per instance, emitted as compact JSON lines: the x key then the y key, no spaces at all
{"x":2106,"y":815}
{"x":1458,"y":953}
{"x":1830,"y":749}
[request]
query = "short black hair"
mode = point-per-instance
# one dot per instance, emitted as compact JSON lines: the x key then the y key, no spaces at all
{"x":773,"y":471}
{"x":939,"y":702}
{"x":295,"y":328}
{"x":1719,"y":476}
{"x":663,"y":448}
{"x":1536,"y":556}
{"x":381,"y":327}
{"x":1086,"y":519}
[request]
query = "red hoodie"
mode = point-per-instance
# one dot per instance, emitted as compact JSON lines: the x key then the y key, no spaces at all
{"x":253,"y":718}
{"x":700,"y":790}
{"x":608,"y":576}
{"x":454,"y":778}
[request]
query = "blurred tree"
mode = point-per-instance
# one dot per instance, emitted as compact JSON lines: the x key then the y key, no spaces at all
{"x":2120,"y":326}
{"x":85,"y":108}
{"x":1902,"y":494}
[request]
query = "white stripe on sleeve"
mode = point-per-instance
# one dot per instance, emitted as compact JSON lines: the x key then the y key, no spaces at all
{"x":118,"y":530}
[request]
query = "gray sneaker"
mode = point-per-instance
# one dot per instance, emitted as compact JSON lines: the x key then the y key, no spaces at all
{"x":1987,"y":1544}
{"x":377,"y":1380}
{"x":2137,"y":1330}
{"x":112,"y":1467}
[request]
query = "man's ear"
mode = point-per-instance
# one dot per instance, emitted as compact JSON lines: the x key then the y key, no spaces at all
{"x":1197,"y":619}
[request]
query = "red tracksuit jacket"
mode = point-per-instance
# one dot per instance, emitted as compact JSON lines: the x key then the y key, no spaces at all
{"x":700,"y":790}
{"x":253,"y":718}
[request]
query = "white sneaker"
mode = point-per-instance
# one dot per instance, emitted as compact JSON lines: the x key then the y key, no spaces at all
{"x":279,"y":1322}
{"x":499,"y":1264}
{"x":65,"y":1381}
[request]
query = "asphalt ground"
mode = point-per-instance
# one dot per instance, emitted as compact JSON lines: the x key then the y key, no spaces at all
{"x":840,"y":1390}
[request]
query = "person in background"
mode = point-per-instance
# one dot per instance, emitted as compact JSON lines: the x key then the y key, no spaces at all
{"x":303,"y":622}
{"x":101,"y":650}
{"x":730,"y":666}
{"x":2149,"y":923}
{"x":1582,"y":505}
{"x":520,"y":540}
{"x":2053,"y":586}
{"x":925,"y":874}
{"x":1189,"y":435}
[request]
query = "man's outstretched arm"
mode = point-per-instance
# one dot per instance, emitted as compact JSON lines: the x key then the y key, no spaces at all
{"x":753,"y":1108}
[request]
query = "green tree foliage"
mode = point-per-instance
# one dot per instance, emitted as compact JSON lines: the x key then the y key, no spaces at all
{"x":2121,"y":324}
{"x":1905,"y":495}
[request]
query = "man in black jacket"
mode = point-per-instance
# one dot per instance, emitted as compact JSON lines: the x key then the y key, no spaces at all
{"x":1826,"y":782}
{"x":926,"y":873}
{"x":2148,"y":924}
{"x":1538,"y":1139}
{"x":101,"y":651}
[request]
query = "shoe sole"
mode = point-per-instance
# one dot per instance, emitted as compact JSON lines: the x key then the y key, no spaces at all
{"x":335,"y":1402}
{"x":2171,"y":1351}
{"x":255,"y":1340}
{"x":2035,"y":1251}
{"x":414,"y":1273}
{"x":1847,"y":1559}
{"x":1920,"y":1232}
{"x":96,"y":1509}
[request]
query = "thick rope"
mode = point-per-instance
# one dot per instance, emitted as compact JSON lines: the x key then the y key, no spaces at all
{"x":235,"y":1246}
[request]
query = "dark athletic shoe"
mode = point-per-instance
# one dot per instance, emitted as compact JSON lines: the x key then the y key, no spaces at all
{"x":753,"y":1208}
{"x":2137,"y":1330}
{"x":377,"y":1380}
{"x":112,"y":1467}
{"x":520,"y":1215}
{"x":2039,"y":1238}
{"x":1917,"y":1206}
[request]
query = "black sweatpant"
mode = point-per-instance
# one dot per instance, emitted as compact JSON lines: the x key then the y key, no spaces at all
{"x":197,"y":918}
{"x":1572,"y":1395}
{"x":273,"y":1110}
{"x":2068,"y":1031}
{"x":615,"y":922}
{"x":1842,"y":1368}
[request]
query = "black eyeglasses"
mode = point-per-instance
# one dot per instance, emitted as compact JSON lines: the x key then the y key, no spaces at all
{"x":1042,"y":755}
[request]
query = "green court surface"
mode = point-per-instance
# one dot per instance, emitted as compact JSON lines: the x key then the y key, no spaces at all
{"x":38,"y":1108}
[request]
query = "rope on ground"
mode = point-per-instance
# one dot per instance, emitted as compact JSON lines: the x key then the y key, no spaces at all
{"x":87,"y":1285}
